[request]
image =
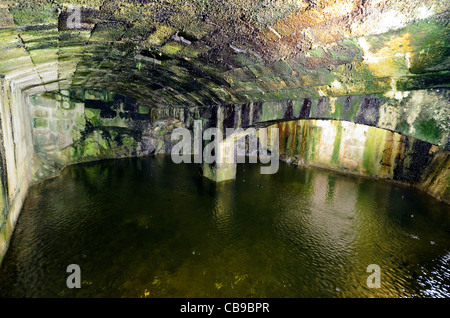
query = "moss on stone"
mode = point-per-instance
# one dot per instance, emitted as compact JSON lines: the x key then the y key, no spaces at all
{"x":37,"y":14}
{"x":160,"y":35}
{"x":172,"y":48}
{"x":337,"y":144}
{"x":93,"y":116}
{"x":40,"y":123}
{"x":428,"y":130}
{"x":144,"y":110}
{"x":431,"y":42}
{"x":374,"y":150}
{"x":318,"y":52}
{"x":423,"y":81}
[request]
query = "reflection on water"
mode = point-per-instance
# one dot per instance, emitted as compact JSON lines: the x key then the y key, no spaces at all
{"x":149,"y":228}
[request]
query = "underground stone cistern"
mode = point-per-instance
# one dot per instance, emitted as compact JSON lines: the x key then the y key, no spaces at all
{"x":356,"y":86}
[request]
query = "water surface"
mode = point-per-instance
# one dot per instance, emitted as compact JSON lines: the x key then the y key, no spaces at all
{"x":146,"y":227}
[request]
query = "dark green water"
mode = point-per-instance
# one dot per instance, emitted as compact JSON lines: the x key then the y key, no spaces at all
{"x":149,"y":228}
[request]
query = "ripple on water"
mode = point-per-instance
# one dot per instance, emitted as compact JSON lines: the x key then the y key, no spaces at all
{"x":149,"y":228}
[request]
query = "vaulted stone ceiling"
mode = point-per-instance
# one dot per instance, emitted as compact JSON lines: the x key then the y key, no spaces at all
{"x":203,"y":52}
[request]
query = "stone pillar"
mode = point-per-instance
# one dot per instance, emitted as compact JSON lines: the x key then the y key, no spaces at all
{"x":224,"y":168}
{"x":230,"y":147}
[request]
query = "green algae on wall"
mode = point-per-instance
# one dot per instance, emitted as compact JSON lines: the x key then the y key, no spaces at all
{"x":436,"y":177}
{"x":16,"y":151}
{"x":428,"y":129}
{"x":368,"y":151}
{"x":83,"y":125}
{"x":337,"y":146}
{"x":101,"y":144}
{"x":373,"y":151}
{"x":76,"y":126}
{"x":432,"y":42}
{"x":174,"y":55}
{"x":421,"y":114}
{"x":28,"y":15}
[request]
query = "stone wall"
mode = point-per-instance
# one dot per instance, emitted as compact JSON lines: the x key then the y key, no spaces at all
{"x":368,"y":151}
{"x":421,"y":114}
{"x":71,"y":126}
{"x":81,"y":125}
{"x":84,"y":125}
{"x":16,"y":153}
